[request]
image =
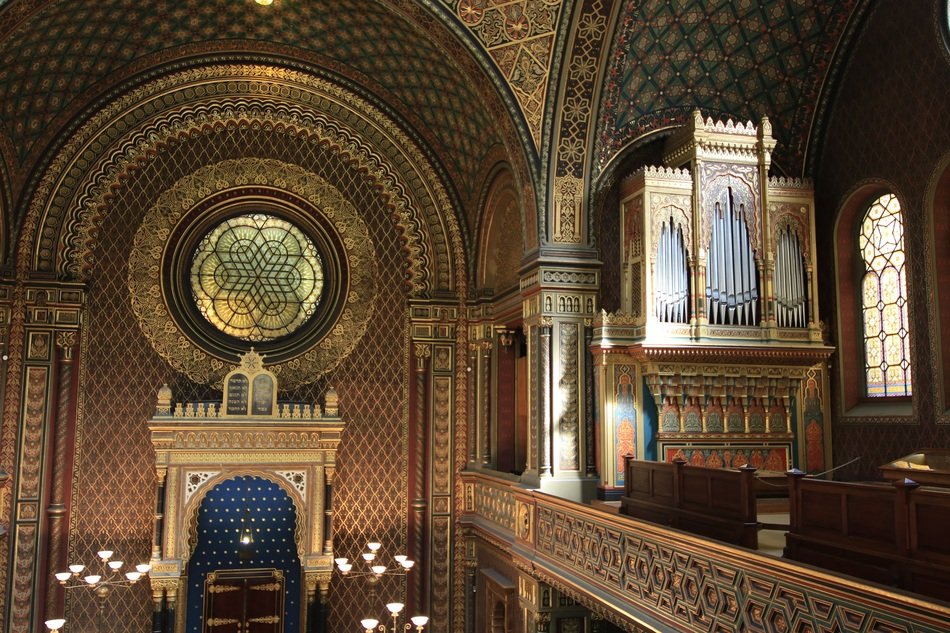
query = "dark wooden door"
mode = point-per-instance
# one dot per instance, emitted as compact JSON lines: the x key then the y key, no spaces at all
{"x":244,"y":601}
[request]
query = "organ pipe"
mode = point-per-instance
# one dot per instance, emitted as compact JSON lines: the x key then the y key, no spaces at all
{"x":790,"y":281}
{"x":731,"y":280}
{"x":671,"y":276}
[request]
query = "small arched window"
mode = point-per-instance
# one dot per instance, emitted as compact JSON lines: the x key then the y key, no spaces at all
{"x":884,"y":300}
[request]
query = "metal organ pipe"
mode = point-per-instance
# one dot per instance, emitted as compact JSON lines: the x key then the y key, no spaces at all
{"x":671,"y":276}
{"x":731,"y":280}
{"x":790,"y":281}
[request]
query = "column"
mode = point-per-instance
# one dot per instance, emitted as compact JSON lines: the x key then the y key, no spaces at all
{"x":417,"y":527}
{"x":559,"y":303}
{"x":484,"y":403}
{"x":62,"y":434}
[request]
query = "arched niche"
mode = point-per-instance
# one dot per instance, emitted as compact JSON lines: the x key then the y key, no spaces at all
{"x":850,"y":363}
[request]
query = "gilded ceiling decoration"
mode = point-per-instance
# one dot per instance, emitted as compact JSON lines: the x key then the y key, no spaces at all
{"x":740,"y":58}
{"x":155,"y":310}
{"x":519,"y":35}
{"x":64,"y":53}
{"x":75,"y":191}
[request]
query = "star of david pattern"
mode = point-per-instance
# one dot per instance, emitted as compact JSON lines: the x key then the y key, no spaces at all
{"x":256,"y":277}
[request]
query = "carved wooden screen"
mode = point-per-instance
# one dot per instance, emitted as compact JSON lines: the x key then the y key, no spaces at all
{"x":244,"y":601}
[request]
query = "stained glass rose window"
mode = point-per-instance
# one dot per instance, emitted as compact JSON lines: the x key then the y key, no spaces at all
{"x":256,"y":277}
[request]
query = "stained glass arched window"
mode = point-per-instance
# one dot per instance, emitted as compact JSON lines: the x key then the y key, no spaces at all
{"x":884,"y":300}
{"x":256,"y":277}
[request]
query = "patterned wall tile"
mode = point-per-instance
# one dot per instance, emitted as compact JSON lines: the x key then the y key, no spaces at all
{"x":114,"y":485}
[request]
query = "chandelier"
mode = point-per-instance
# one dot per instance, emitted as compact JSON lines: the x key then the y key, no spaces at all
{"x":372,"y":573}
{"x":101,"y":577}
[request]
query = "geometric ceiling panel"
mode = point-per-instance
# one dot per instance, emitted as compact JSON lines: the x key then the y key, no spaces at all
{"x":740,"y":58}
{"x":519,"y":36}
{"x":58,"y":57}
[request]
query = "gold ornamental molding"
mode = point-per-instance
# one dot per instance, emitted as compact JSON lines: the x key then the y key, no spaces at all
{"x":152,"y":241}
{"x":74,"y":193}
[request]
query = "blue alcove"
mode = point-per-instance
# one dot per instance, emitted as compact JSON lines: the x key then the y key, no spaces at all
{"x":268,"y":510}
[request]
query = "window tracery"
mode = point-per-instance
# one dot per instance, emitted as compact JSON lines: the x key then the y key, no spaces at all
{"x":884,"y":300}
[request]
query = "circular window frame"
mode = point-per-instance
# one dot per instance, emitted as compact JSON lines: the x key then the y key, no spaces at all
{"x":178,"y":257}
{"x":160,"y":262}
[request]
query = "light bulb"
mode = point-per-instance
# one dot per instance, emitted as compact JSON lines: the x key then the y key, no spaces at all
{"x":368,"y":556}
{"x":373,"y":546}
{"x":92,"y":579}
{"x":408,"y":563}
{"x":341,"y":561}
{"x":400,"y":557}
{"x":76,"y":568}
{"x":143,"y":568}
{"x":105,"y":554}
{"x":133,"y":575}
{"x":395,"y":607}
{"x":63,"y":576}
{"x":115,"y":565}
{"x":346,"y":567}
{"x":378,"y":569}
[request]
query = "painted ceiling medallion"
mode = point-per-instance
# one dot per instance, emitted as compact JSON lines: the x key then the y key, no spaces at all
{"x":253,"y":277}
{"x":256,"y":277}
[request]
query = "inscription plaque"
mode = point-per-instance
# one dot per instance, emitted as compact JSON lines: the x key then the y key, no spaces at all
{"x":237,"y":395}
{"x":262,"y":402}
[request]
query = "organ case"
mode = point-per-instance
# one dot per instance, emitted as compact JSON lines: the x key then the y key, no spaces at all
{"x":718,"y":326}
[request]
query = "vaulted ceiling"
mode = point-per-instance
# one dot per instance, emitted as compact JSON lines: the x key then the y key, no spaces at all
{"x":475,"y":81}
{"x":58,"y":57}
{"x":731,"y":58}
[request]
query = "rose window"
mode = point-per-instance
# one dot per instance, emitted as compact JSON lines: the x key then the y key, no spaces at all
{"x":256,"y":277}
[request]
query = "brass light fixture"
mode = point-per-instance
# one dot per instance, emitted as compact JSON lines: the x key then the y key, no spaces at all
{"x":102,"y":581}
{"x":246,"y":535}
{"x":376,"y":571}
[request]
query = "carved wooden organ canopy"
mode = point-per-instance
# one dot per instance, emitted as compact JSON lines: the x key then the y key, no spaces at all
{"x":719,"y":310}
{"x":201,"y":444}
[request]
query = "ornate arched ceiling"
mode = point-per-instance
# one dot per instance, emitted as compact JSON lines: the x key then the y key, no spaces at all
{"x":737,"y":58}
{"x":57,"y":56}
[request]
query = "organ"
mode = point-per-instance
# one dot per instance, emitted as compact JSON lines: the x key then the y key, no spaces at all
{"x":718,"y":338}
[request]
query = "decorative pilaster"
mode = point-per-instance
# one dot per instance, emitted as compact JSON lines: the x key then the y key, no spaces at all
{"x":558,"y":305}
{"x":44,"y":452}
{"x":437,"y":420}
{"x":544,"y":400}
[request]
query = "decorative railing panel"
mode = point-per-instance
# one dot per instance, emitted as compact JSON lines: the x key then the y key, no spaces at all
{"x":646,"y":577}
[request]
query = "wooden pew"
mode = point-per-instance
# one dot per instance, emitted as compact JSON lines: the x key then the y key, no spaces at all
{"x":714,"y":502}
{"x":891,"y":534}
